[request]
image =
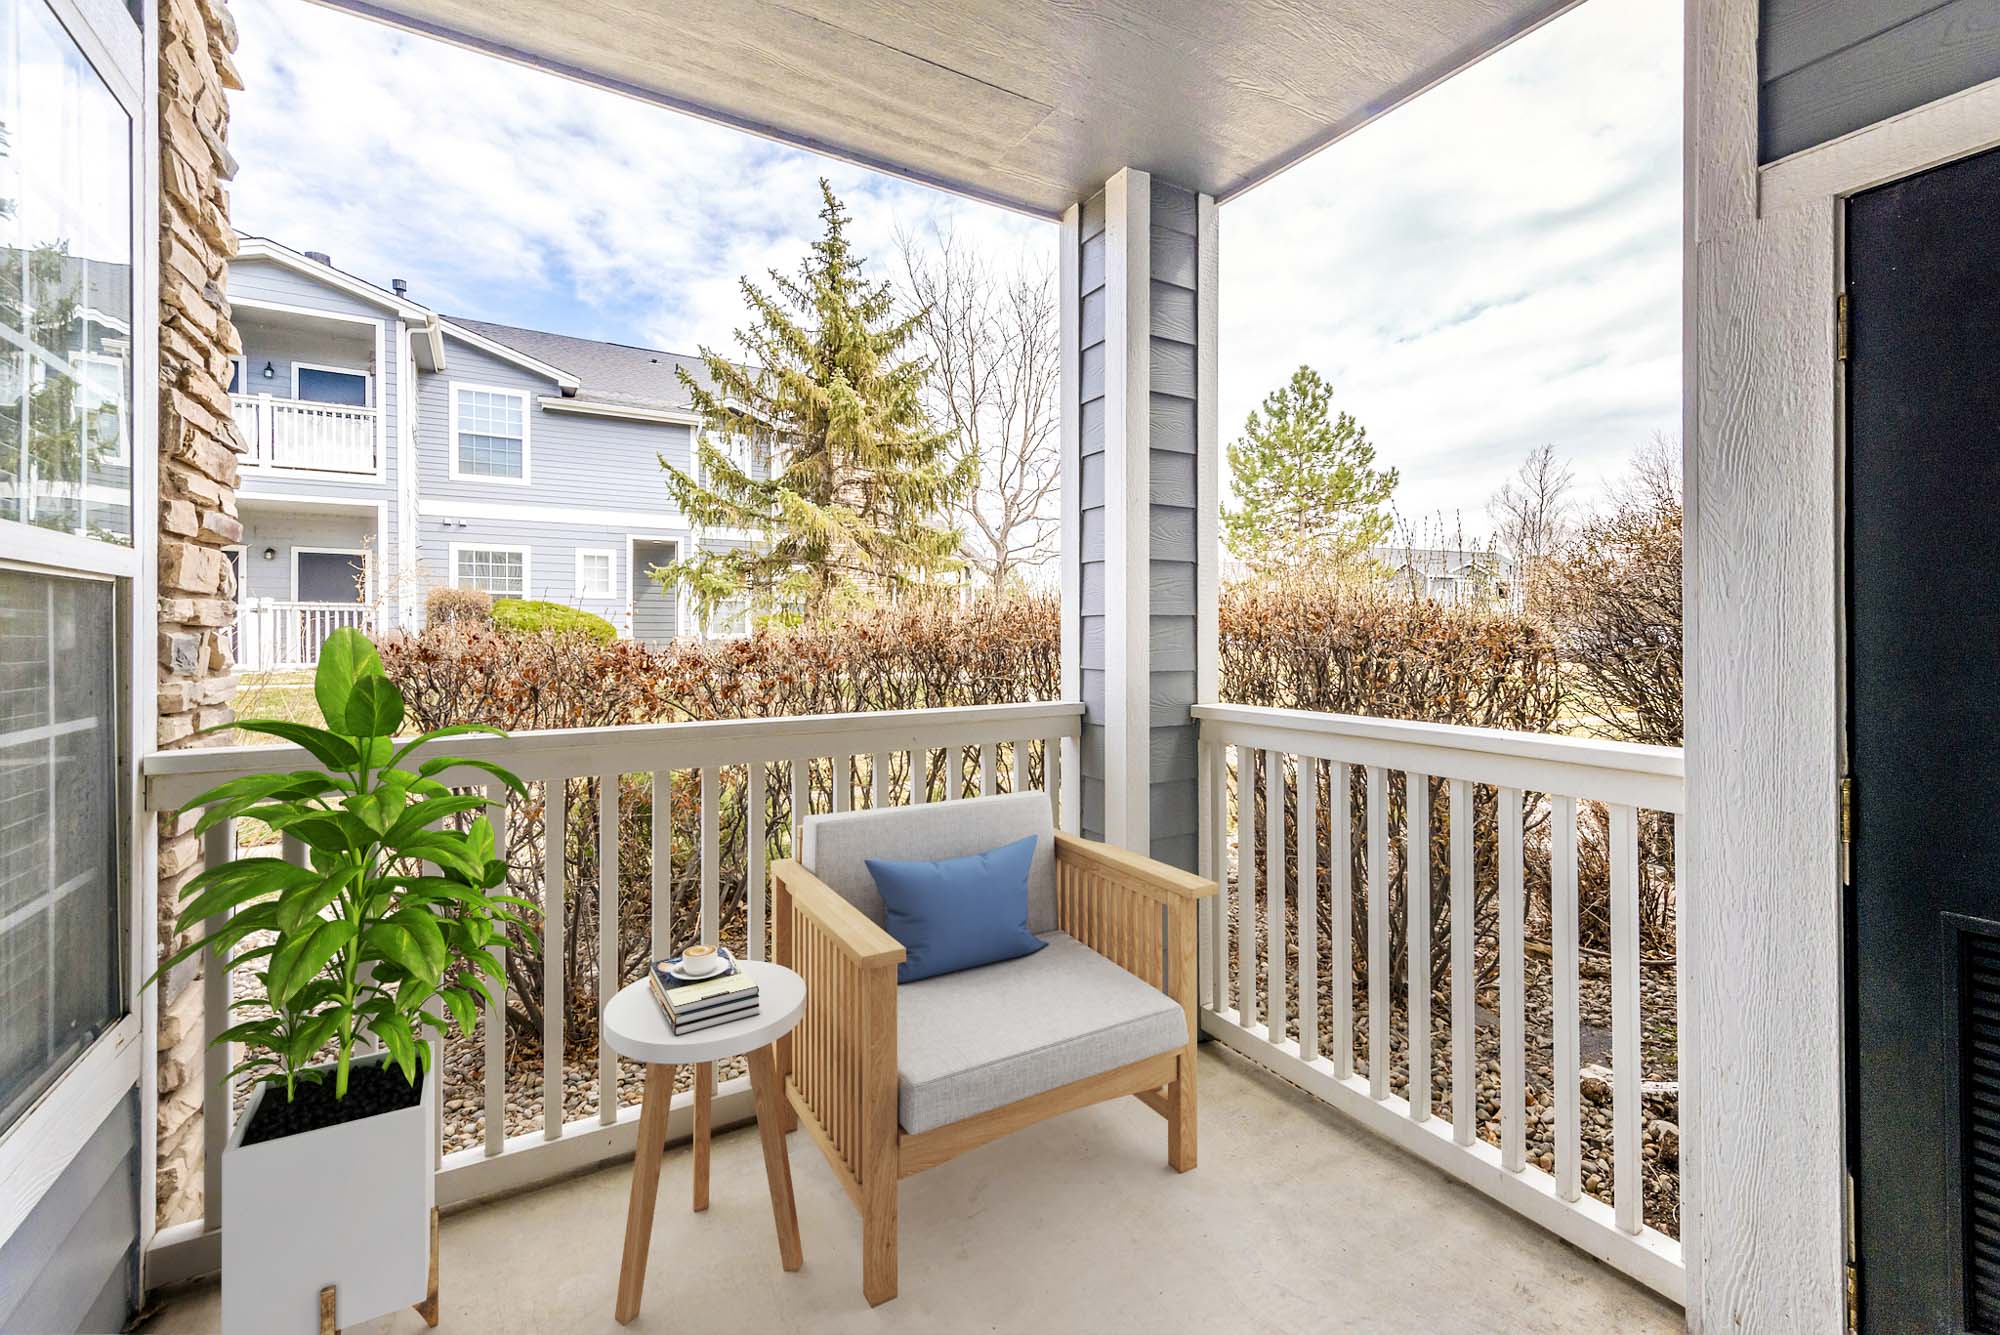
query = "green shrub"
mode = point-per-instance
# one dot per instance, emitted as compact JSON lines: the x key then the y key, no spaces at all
{"x":522,"y":615}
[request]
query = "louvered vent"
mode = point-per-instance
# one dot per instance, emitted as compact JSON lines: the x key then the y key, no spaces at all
{"x":1979,"y":1082}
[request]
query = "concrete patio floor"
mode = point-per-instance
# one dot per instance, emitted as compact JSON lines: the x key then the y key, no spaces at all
{"x":1294,"y":1221}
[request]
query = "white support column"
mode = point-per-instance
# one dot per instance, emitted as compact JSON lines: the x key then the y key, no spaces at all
{"x":1140,"y":492}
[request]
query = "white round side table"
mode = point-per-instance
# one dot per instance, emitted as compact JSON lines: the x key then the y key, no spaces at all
{"x":636,"y":1027}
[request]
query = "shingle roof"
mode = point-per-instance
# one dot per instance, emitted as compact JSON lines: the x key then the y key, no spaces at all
{"x":615,"y":373}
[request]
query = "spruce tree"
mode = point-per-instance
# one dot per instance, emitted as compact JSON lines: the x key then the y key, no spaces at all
{"x":848,"y":503}
{"x":1306,"y":487}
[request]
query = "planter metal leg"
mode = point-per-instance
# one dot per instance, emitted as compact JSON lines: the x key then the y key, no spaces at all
{"x":326,"y":1310}
{"x":428,"y":1308}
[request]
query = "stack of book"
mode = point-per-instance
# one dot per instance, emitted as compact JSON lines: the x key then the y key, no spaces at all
{"x":729,"y":995}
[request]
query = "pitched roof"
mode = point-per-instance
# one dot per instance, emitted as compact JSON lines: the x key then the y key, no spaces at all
{"x":611,"y":373}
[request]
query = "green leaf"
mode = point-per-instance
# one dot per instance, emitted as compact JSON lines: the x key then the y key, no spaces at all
{"x":295,"y":964}
{"x":374,"y":707}
{"x":388,"y":942}
{"x":422,"y":925}
{"x":439,"y":764}
{"x":346,"y":658}
{"x":419,"y":815}
{"x":225,"y":895}
{"x":461,"y":1010}
{"x":329,"y":749}
{"x":455,"y":730}
{"x":444,"y":848}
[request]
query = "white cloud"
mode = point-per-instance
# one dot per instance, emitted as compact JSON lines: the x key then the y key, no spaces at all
{"x":519,"y":196}
{"x":1494,"y":265}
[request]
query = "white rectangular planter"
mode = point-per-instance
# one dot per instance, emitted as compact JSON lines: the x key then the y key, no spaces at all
{"x":347,"y":1205}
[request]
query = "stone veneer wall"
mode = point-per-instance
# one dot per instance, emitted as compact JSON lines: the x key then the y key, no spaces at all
{"x":197,"y":497}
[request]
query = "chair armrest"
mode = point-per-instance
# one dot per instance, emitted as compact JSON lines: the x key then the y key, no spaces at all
{"x":1133,"y":868}
{"x":858,"y":937}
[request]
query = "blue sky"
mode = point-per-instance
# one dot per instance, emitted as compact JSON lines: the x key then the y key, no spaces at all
{"x":1492,"y":266}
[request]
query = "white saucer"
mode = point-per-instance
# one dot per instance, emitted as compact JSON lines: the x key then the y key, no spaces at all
{"x":674,"y":970}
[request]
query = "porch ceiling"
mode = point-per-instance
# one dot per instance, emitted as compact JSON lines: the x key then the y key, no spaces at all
{"x":1028,"y":105}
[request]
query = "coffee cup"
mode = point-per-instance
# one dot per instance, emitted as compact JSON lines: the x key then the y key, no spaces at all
{"x":700,"y":961}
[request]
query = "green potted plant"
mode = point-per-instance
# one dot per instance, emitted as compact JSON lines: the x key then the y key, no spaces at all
{"x":328,"y":1177}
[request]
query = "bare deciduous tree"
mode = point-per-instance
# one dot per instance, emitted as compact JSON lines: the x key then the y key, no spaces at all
{"x":1533,"y":515}
{"x":992,"y":339}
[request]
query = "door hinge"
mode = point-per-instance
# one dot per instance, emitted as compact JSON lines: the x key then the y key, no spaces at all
{"x":1840,"y":325}
{"x":1847,"y":829}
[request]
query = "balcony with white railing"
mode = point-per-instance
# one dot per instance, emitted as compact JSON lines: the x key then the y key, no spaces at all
{"x":298,"y":435}
{"x":274,"y":634}
{"x":531,"y":1100}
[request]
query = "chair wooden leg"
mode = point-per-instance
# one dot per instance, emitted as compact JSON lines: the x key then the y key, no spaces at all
{"x":777,"y":1161}
{"x":704,"y":1108}
{"x":878,"y":1243}
{"x":645,"y":1189}
{"x":1181,"y":1115}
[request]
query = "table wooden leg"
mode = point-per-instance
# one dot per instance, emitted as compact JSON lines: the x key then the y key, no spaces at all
{"x":645,"y":1188}
{"x":777,"y":1163}
{"x":704,"y":1108}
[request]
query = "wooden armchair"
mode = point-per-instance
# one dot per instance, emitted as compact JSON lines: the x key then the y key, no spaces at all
{"x":1106,"y":1009}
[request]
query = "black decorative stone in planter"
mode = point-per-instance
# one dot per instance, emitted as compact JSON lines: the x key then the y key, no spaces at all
{"x":373,"y":1087}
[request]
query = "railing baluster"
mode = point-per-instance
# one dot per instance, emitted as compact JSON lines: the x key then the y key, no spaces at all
{"x":753,"y":861}
{"x":1308,"y":905}
{"x":218,"y":848}
{"x":920,"y":775}
{"x":843,"y":782}
{"x":1246,"y":886}
{"x":1213,"y":852}
{"x":1379,"y":966}
{"x":1563,"y":960}
{"x":1018,"y":775}
{"x":496,"y":1007}
{"x":1341,"y":857}
{"x":1464,"y":1077}
{"x":1628,"y":1186}
{"x":989,"y":772}
{"x":1274,"y":894}
{"x":878,"y":781}
{"x":1512,"y":986}
{"x":801,"y":805}
{"x":607,"y":940}
{"x":663,"y":862}
{"x":554,"y":996}
{"x":1052,"y":775}
{"x":1417,"y":931}
{"x":711,"y":861}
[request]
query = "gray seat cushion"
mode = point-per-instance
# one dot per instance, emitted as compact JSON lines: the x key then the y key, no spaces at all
{"x":969,"y":1042}
{"x":838,"y":846}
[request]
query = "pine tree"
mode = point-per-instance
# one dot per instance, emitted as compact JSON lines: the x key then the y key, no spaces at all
{"x":1307,"y":489}
{"x":851,"y":501}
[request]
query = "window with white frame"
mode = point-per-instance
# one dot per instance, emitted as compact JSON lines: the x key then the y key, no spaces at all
{"x":489,"y":433}
{"x":500,"y":571}
{"x":594,"y":577}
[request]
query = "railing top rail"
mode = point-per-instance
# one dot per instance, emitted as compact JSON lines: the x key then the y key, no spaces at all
{"x":172,"y":777}
{"x":1648,"y":776}
{"x":283,"y":401}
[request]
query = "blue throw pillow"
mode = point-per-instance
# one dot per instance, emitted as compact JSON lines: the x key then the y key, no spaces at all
{"x":958,"y":913}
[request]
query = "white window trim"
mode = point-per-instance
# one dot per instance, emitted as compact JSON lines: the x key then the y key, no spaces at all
{"x":367,"y":567}
{"x":452,"y":389}
{"x":610,"y":591}
{"x":367,"y":379}
{"x":527,"y":555}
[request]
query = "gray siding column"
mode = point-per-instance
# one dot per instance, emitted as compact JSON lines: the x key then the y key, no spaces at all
{"x":1139,"y":505}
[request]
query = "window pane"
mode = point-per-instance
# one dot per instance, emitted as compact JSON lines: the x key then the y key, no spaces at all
{"x":344,"y":387}
{"x":65,"y":285}
{"x":489,"y":456}
{"x":489,"y":433}
{"x":61,"y":939}
{"x":502,"y":574}
{"x":594,"y":574}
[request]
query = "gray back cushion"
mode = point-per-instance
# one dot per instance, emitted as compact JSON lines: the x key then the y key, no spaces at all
{"x":837,"y":846}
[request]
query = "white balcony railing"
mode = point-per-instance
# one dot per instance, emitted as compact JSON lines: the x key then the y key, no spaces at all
{"x":272,"y":634}
{"x":300,"y":435}
{"x":1476,"y":794}
{"x":744,"y":787}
